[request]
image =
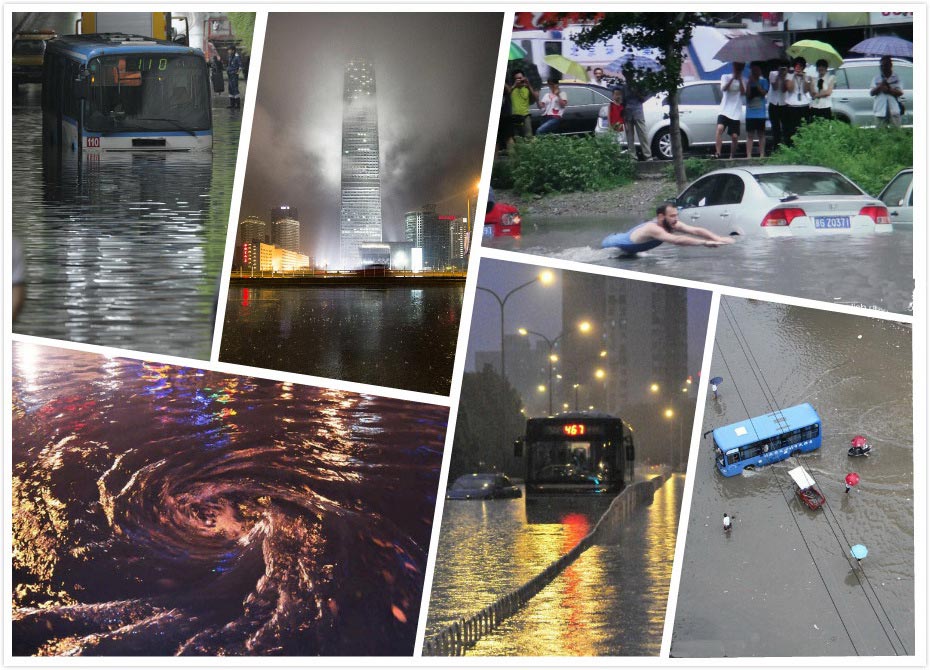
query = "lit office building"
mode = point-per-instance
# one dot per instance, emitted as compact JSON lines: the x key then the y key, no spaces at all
{"x":252,"y":228}
{"x":427,"y":230}
{"x":285,"y":228}
{"x":459,"y":241}
{"x":360,"y":212}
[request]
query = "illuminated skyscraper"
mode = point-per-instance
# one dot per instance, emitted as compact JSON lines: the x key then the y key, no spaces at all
{"x":360,"y":213}
{"x":285,"y":228}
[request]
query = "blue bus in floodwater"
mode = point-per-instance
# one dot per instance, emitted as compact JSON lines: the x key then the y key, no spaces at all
{"x":115,"y":92}
{"x":766,"y":439}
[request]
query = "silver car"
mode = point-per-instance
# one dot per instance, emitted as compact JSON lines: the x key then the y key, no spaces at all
{"x":898,"y":196}
{"x":852,"y":100}
{"x":698,"y":107}
{"x":779,"y":200}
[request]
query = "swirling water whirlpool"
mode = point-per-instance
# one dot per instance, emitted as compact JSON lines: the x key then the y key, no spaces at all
{"x":303,"y":530}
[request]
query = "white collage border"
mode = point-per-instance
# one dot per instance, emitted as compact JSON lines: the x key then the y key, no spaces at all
{"x":918,"y":321}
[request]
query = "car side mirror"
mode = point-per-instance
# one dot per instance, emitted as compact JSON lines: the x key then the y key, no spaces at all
{"x":518,"y":447}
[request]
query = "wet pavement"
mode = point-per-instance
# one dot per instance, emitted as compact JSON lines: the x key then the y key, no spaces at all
{"x":757,"y":591}
{"x":163,"y":510}
{"x":127,"y":251}
{"x":395,"y":337}
{"x":874,"y":270}
{"x":611,"y":601}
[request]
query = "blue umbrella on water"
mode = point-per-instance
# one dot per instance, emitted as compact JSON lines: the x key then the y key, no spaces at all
{"x":885,"y":45}
{"x":859,"y":552}
{"x":633,"y":60}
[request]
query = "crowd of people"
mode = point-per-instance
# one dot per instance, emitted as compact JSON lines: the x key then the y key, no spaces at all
{"x":786,"y":98}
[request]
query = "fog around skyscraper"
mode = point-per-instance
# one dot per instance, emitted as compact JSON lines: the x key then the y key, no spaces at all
{"x":435,"y":75}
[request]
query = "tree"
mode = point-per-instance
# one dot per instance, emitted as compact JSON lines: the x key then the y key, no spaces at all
{"x":243,"y":25}
{"x":669,"y":34}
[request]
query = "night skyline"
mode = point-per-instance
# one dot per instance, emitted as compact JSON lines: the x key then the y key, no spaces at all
{"x":435,"y":76}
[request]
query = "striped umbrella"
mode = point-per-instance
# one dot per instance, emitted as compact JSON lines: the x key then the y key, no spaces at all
{"x":885,"y":45}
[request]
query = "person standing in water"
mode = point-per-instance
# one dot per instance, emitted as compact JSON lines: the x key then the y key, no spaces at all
{"x":664,"y":228}
{"x":727,"y":522}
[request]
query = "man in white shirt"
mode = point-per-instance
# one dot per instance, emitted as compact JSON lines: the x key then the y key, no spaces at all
{"x":797,"y":98}
{"x":776,"y":99}
{"x":731,"y":107}
{"x":552,"y":105}
{"x":597,"y":77}
{"x":886,"y":89}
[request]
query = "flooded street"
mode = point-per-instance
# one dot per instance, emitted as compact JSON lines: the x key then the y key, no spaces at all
{"x":162,"y":510}
{"x":611,"y":601}
{"x":127,"y":251}
{"x":874,"y":271}
{"x":397,"y":337}
{"x":757,"y":591}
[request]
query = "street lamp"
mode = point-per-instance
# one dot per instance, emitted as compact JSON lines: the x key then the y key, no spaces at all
{"x":584,"y":327}
{"x":545,"y":278}
{"x":654,"y":388}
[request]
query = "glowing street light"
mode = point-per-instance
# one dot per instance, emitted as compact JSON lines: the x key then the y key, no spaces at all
{"x":600,"y":374}
{"x":583,"y":327}
{"x":669,"y":413}
{"x":541,"y":388}
{"x":654,"y":387}
{"x":604,"y":354}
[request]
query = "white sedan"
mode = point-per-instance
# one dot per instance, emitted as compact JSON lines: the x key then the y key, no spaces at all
{"x":778,"y":200}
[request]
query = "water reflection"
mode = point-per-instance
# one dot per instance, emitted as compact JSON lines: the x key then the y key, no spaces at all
{"x":162,"y":510}
{"x":873,"y":271}
{"x":856,"y":372}
{"x":395,"y":337}
{"x":122,"y":249}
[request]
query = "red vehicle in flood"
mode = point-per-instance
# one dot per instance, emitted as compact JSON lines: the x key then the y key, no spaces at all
{"x":502,"y":220}
{"x":806,"y":488}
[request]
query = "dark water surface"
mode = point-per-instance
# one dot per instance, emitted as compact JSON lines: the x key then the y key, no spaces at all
{"x":396,"y":337}
{"x":160,"y":510}
{"x":757,"y":592}
{"x":611,"y":601}
{"x":129,"y":253}
{"x":874,"y":270}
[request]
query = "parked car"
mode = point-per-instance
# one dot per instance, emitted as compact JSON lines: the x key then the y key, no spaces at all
{"x":775,"y":200}
{"x":698,"y":107}
{"x":483,"y":487}
{"x":502,"y":221}
{"x":898,"y":197}
{"x":29,"y":55}
{"x":852,"y":100}
{"x":581,"y":114}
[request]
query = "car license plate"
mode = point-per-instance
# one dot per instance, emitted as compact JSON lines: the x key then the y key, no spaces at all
{"x":831,"y":222}
{"x":488,"y":231}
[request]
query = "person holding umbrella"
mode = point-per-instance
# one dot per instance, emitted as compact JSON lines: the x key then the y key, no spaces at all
{"x":886,"y":89}
{"x":797,"y":98}
{"x":822,"y":92}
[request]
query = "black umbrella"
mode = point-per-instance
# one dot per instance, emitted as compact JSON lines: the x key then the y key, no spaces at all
{"x":748,"y":48}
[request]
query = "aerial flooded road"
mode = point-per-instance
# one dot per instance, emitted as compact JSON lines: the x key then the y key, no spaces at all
{"x":127,"y":251}
{"x":611,"y":601}
{"x":782,"y":582}
{"x":872,"y":271}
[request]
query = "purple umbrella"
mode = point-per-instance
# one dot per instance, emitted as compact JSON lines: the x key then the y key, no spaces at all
{"x":748,"y":48}
{"x":885,"y":45}
{"x":633,"y":60}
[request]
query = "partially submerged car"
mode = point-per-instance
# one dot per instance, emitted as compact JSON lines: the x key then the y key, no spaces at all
{"x":483,"y":486}
{"x":898,"y":197}
{"x":779,"y":200}
{"x":502,"y":220}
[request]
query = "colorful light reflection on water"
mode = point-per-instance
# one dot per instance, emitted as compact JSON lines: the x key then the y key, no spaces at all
{"x":164,"y":510}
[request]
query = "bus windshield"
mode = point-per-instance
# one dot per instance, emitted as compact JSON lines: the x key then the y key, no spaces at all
{"x":563,"y":461}
{"x":158,"y":92}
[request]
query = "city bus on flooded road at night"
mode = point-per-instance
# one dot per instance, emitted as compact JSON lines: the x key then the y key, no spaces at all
{"x":576,"y":453}
{"x":115,"y":92}
{"x":766,"y":439}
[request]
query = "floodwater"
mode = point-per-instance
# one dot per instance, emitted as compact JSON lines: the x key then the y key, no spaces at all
{"x":874,"y":271}
{"x":757,"y":591}
{"x":128,"y":253}
{"x":161,"y":510}
{"x":611,"y":601}
{"x":395,"y":337}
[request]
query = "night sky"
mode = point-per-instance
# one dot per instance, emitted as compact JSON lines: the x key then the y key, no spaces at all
{"x":434,"y":75}
{"x":540,"y":308}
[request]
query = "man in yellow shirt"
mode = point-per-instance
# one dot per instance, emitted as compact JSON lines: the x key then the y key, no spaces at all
{"x":521,"y":96}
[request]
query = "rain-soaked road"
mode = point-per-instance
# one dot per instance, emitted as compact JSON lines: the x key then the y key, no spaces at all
{"x":611,"y":601}
{"x":127,"y":254}
{"x":757,"y":592}
{"x":872,"y":271}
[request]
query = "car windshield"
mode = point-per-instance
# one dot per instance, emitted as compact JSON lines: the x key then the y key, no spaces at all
{"x":473,"y":482}
{"x":148,"y":92}
{"x":781,"y":184}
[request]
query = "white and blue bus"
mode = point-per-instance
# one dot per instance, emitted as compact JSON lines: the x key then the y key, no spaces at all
{"x":766,"y":439}
{"x":115,"y":92}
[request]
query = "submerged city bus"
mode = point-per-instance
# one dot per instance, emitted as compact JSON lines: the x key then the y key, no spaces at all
{"x":766,"y":439}
{"x":576,"y":453}
{"x":115,"y":92}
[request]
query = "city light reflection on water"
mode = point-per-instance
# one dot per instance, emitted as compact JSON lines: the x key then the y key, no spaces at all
{"x":164,"y":510}
{"x":610,"y":601}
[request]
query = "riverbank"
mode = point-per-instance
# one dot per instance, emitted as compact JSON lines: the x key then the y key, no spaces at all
{"x":638,"y":198}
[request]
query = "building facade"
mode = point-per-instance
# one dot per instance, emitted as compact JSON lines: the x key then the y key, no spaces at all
{"x":360,"y":210}
{"x":260,"y":257}
{"x":427,"y":230}
{"x":285,"y":228}
{"x":252,"y":228}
